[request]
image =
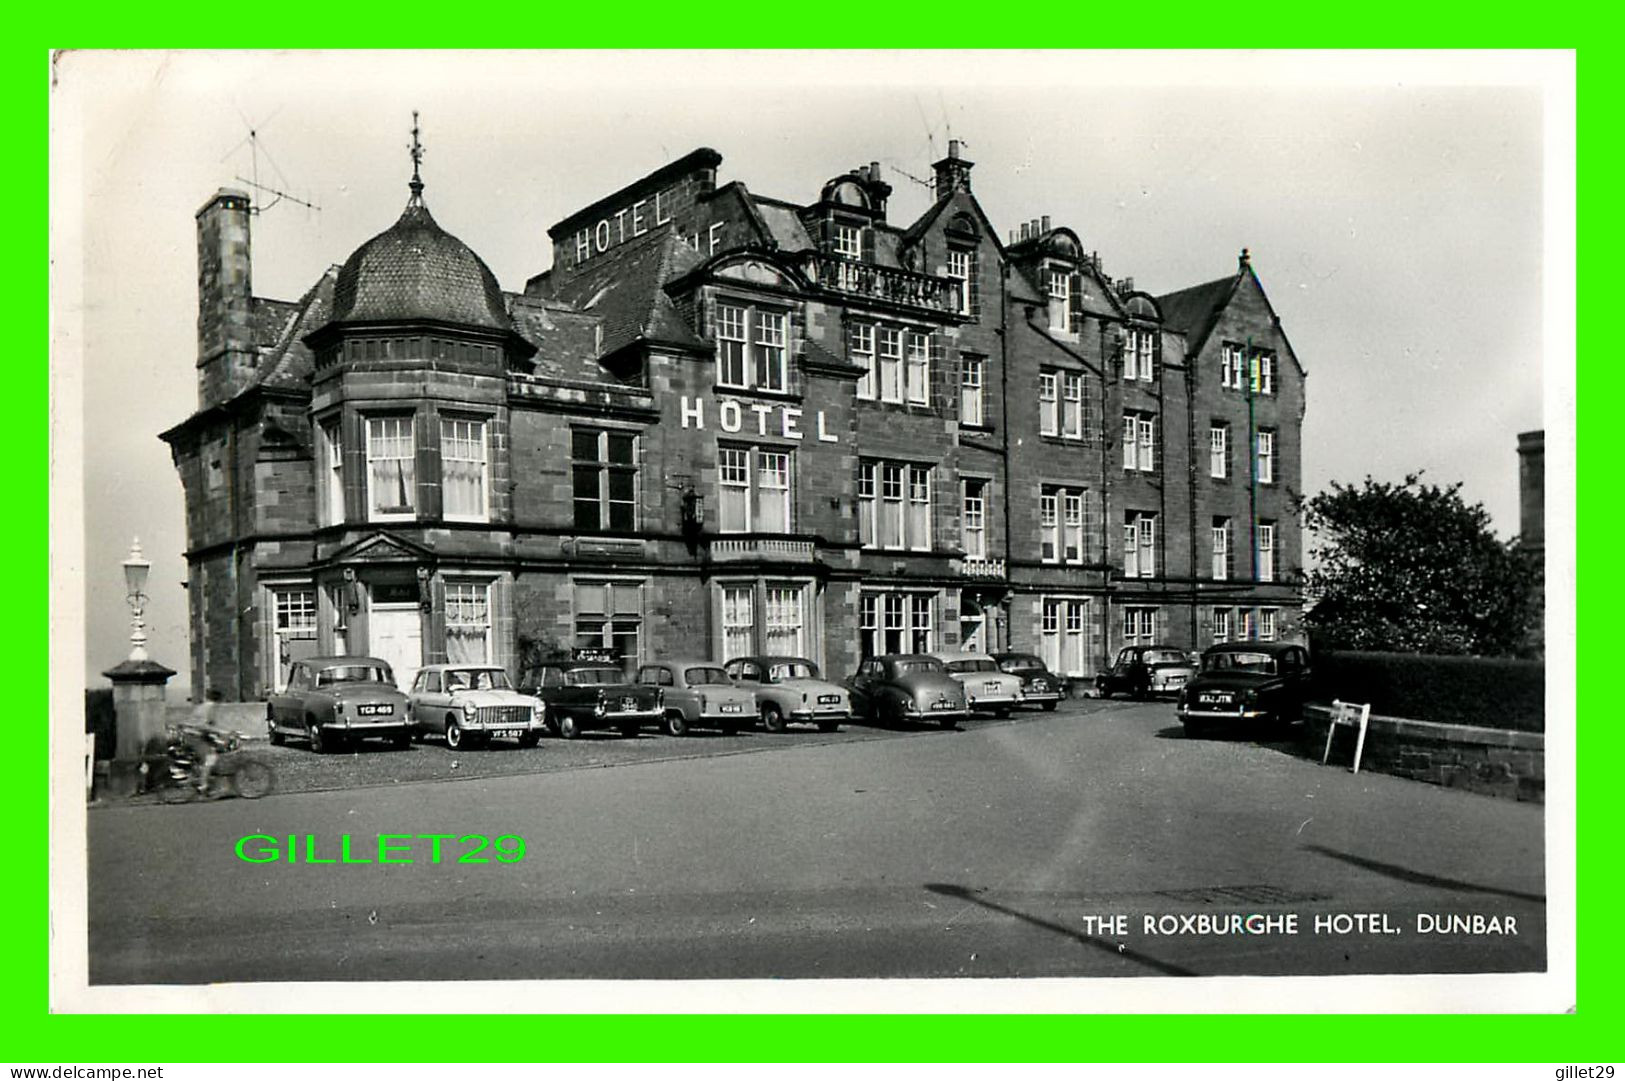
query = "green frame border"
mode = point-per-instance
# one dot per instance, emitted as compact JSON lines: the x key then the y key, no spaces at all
{"x":37,"y":1036}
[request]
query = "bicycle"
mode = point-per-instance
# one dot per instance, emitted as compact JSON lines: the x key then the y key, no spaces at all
{"x":235,"y":773}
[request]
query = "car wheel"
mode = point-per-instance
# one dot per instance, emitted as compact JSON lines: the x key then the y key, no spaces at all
{"x":276,"y":737}
{"x":568,"y":729}
{"x":675,"y":724}
{"x":319,"y":742}
{"x":891,"y":713}
{"x":455,"y":736}
{"x":530,"y":739}
{"x":829,"y":726}
{"x":773,"y":718}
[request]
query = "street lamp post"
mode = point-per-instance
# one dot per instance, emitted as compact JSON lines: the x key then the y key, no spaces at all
{"x":138,"y":687}
{"x":135,"y":583}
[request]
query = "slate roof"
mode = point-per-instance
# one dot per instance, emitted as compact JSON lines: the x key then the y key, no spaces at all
{"x":622,"y":290}
{"x":417,"y":270}
{"x":1194,"y":311}
{"x":783,"y":224}
{"x":286,"y":361}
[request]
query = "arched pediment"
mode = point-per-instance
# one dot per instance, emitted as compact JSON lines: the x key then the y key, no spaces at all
{"x":1063,"y":243}
{"x":756,"y":271}
{"x":846,"y":190}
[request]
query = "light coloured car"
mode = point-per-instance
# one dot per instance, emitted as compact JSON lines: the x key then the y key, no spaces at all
{"x":988,"y":687}
{"x":472,"y":704}
{"x":790,"y":689}
{"x":698,"y":694}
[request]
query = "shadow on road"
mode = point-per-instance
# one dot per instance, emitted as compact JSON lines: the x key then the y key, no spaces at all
{"x":961,"y":893}
{"x":1421,"y":878}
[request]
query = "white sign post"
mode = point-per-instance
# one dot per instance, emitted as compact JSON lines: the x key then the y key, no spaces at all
{"x":1350,"y":715}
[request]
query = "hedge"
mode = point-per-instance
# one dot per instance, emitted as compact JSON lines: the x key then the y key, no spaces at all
{"x":1491,"y":692}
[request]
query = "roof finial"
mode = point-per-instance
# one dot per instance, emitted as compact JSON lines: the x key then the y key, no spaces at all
{"x":417,"y":159}
{"x":1242,"y":264}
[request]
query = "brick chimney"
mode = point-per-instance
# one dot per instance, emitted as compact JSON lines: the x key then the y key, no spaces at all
{"x":953,"y":172}
{"x":225,"y":330}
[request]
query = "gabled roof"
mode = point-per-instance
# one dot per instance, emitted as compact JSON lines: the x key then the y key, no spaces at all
{"x":1195,"y":310}
{"x":622,"y":290}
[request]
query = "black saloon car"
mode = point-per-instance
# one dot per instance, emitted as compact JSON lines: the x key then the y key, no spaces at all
{"x":585,"y":694}
{"x":1246,"y":683}
{"x":1141,"y":671}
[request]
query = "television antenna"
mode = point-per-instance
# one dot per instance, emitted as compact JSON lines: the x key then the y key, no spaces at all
{"x":255,"y":149}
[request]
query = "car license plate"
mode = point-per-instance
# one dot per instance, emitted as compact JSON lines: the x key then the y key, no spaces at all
{"x":730,"y":707}
{"x":375,"y":711}
{"x":507,"y":733}
{"x":1040,"y":685}
{"x":942,"y":703}
{"x":1215,"y":699}
{"x":629,"y":703}
{"x":990,"y":687}
{"x":828,"y":699}
{"x":1175,"y":681}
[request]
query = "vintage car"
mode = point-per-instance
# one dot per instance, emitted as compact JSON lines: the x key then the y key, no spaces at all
{"x":1142,"y":671}
{"x":899,"y":687}
{"x":987,"y":687}
{"x":789,"y":689}
{"x":698,"y":694}
{"x":1039,"y":686}
{"x":471,"y":704}
{"x":1246,"y":683}
{"x":336,"y":701}
{"x":583,"y":695}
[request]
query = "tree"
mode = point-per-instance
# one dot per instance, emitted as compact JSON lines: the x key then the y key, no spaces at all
{"x":1413,"y":568}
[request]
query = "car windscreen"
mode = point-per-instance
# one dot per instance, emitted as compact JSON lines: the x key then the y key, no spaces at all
{"x":581,"y":676}
{"x":1239,"y":662}
{"x":478,"y":679}
{"x":1021,"y":664}
{"x":703,"y":677}
{"x":1166,"y":656}
{"x":918,"y":664}
{"x":353,"y":673}
{"x":778,"y":673}
{"x":972,"y":666}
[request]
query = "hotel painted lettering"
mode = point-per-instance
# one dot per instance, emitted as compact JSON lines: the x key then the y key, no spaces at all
{"x":758,"y":418}
{"x":632,"y":220}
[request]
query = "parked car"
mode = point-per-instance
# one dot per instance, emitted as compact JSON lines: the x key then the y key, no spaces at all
{"x":336,"y":701}
{"x":790,"y":689}
{"x":473,"y":704}
{"x":987,"y":686}
{"x":1142,"y":671}
{"x":1246,"y":683}
{"x":583,"y":695}
{"x":698,"y":694}
{"x":1039,"y":686}
{"x":900,"y":687}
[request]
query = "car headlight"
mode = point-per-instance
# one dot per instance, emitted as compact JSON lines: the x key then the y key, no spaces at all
{"x":469,"y":709}
{"x":537,"y":711}
{"x":600,"y":708}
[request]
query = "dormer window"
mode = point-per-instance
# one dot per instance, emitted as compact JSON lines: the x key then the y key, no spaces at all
{"x":752,"y":350}
{"x":847,"y":240}
{"x":1060,"y":299}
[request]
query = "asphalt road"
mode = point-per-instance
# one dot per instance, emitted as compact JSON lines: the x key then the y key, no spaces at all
{"x":1035,"y":847}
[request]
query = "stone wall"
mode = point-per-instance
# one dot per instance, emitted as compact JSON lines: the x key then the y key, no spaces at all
{"x":1492,"y":761}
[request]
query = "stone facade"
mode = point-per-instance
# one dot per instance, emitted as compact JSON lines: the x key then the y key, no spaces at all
{"x":725,"y":423}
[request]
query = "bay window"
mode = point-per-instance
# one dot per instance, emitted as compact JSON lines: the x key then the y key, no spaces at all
{"x":391,"y":469}
{"x":464,"y":470}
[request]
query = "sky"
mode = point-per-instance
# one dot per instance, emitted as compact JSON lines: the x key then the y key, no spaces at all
{"x":1392,"y":205}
